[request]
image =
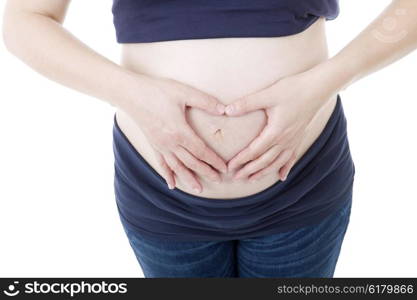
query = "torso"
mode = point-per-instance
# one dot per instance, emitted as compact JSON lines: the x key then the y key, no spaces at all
{"x":227,"y":68}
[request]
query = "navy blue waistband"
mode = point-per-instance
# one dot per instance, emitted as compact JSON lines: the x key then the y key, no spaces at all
{"x":318,"y":183}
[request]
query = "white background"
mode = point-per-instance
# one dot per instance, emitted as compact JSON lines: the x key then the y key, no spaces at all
{"x":58,"y":215}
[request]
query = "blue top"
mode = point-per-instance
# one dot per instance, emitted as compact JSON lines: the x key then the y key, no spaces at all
{"x":141,"y":21}
{"x":318,"y":184}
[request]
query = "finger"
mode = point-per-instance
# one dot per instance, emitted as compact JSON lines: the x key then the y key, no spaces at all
{"x":258,"y":146}
{"x":283,"y":157}
{"x":196,"y":165}
{"x":206,"y":102}
{"x":183,"y":172}
{"x":167,"y":173}
{"x":193,"y":143}
{"x":254,"y":101}
{"x":285,"y":170}
{"x":262,"y":162}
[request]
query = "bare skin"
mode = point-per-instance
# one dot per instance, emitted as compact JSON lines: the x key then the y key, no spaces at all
{"x":195,"y":140}
{"x":226,"y":69}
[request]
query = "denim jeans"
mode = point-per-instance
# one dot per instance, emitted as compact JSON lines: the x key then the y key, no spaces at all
{"x":310,"y":251}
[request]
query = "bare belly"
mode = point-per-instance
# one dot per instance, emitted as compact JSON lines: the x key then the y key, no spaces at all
{"x":227,"y":68}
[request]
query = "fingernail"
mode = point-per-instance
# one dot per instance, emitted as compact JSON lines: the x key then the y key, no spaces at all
{"x":230,"y":109}
{"x":196,"y":189}
{"x":220,"y":108}
{"x":170,"y":186}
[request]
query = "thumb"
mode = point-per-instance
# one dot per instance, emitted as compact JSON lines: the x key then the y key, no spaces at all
{"x":250,"y":102}
{"x":207,"y":103}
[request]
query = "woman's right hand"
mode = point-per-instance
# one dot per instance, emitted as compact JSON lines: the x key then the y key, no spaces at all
{"x":159,"y":107}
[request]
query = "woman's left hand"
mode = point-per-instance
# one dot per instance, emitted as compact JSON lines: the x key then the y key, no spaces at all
{"x":290,"y":105}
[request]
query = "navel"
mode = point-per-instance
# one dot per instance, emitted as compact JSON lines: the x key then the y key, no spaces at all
{"x":218,"y":133}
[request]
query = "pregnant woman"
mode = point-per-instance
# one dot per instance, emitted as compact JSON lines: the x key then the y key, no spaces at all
{"x":231,"y":150}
